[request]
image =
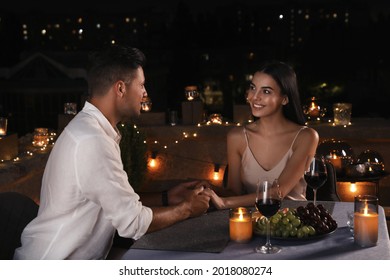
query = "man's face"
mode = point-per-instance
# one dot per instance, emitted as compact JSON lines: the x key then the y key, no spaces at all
{"x":130,"y":105}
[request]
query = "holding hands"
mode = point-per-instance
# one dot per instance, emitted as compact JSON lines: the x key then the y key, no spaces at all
{"x":191,"y":193}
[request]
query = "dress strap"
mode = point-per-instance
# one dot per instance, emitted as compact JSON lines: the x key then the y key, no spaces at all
{"x":246,"y":136}
{"x":296,"y":136}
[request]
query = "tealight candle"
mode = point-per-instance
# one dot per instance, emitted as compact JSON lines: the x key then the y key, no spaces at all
{"x":366,"y":220}
{"x":336,"y":161}
{"x":240,"y":225}
{"x":314,"y":110}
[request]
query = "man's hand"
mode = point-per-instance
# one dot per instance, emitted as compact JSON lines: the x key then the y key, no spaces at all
{"x":198,"y":201}
{"x":180,"y":192}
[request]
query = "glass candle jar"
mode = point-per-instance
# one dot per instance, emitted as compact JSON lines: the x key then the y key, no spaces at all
{"x":146,"y":104}
{"x":40,"y":137}
{"x":191,"y":92}
{"x":240,"y":224}
{"x":70,"y":108}
{"x":366,"y":220}
{"x":342,"y":113}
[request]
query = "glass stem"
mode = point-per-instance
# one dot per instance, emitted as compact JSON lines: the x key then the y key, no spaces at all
{"x":314,"y":196}
{"x":268,"y":242}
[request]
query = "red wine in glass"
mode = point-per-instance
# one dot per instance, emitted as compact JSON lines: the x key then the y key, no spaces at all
{"x":316,"y":175}
{"x":268,"y":202}
{"x":317,"y":180}
{"x":268,"y":207}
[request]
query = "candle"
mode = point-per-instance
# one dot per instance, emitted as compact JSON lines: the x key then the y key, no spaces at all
{"x":366,"y":221}
{"x":2,"y":132}
{"x":314,"y":111}
{"x":342,"y":113}
{"x":336,"y":161}
{"x":240,"y":225}
{"x":366,"y":229}
{"x":40,"y":137}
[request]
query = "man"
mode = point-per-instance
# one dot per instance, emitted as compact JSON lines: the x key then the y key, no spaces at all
{"x":85,"y":193}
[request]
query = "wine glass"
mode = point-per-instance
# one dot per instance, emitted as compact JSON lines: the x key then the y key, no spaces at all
{"x":268,"y":201}
{"x":316,"y":175}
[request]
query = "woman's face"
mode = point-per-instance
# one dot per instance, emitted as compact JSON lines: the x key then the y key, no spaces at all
{"x":264,"y":96}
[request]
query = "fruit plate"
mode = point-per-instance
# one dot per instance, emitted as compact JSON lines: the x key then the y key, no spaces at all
{"x":307,"y":238}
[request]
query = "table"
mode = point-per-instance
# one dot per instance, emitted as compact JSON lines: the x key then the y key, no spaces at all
{"x":335,"y":246}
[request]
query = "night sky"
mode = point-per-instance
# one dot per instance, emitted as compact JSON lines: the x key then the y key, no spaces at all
{"x":113,"y":5}
{"x":120,"y":6}
{"x":359,"y":61}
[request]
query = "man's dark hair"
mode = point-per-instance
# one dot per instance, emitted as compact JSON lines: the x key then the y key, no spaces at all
{"x":111,"y":64}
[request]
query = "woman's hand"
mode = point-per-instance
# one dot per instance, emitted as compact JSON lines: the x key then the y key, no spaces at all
{"x":180,"y":192}
{"x":216,"y":200}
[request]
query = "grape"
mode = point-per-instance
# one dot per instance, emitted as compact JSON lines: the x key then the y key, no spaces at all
{"x":301,"y":222}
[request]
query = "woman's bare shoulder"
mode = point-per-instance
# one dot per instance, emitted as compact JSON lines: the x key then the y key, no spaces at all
{"x":235,"y":132}
{"x":308,"y":135}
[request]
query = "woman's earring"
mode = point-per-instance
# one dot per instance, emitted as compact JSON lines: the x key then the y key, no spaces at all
{"x":247,"y":100}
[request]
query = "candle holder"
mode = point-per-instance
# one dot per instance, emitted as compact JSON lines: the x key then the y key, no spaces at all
{"x":40,"y":137}
{"x":342,"y":113}
{"x":240,"y":225}
{"x":3,"y":126}
{"x":70,"y":108}
{"x":372,"y":161}
{"x":146,"y":104}
{"x":173,"y":118}
{"x":313,"y":111}
{"x":191,"y":92}
{"x":366,"y":220}
{"x":215,"y":119}
{"x":337,"y":152}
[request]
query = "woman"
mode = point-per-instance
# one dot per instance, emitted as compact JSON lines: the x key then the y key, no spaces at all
{"x":276,"y":146}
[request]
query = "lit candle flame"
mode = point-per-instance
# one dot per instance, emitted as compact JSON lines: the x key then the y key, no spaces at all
{"x":152,"y":162}
{"x":365,"y":211}
{"x":353,"y":187}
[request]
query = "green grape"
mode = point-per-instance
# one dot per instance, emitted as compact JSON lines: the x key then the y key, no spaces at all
{"x":296,"y":222}
{"x":300,"y":234}
{"x":293,"y":232}
{"x":285,"y":233}
{"x":286,"y":223}
{"x":312,"y":231}
{"x":285,"y":220}
{"x":275,"y":220}
{"x":288,"y":226}
{"x":291,"y":216}
{"x":305,"y":230}
{"x":278,"y":215}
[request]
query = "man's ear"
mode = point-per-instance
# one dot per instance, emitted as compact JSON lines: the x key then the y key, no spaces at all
{"x":121,"y":88}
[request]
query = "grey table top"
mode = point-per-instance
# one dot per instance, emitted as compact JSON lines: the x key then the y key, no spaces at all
{"x":207,"y":237}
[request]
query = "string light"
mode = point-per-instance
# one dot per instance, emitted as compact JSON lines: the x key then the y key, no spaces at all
{"x":153,"y":159}
{"x":216,"y":172}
